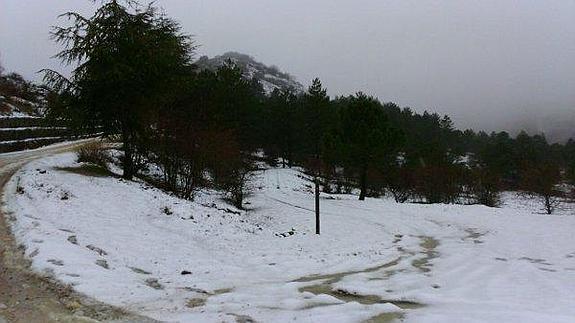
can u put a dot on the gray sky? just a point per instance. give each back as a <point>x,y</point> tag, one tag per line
<point>488,64</point>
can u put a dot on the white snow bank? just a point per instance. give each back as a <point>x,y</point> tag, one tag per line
<point>187,261</point>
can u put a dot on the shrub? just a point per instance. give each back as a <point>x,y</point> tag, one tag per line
<point>234,176</point>
<point>485,186</point>
<point>93,153</point>
<point>400,182</point>
<point>439,183</point>
<point>541,180</point>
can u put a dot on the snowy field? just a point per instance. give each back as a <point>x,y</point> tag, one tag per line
<point>131,245</point>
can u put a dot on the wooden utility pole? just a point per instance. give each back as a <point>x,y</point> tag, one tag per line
<point>317,205</point>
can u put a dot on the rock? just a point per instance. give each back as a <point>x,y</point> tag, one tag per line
<point>102,263</point>
<point>3,306</point>
<point>153,282</point>
<point>195,302</point>
<point>196,290</point>
<point>73,305</point>
<point>139,271</point>
<point>73,239</point>
<point>101,252</point>
<point>56,262</point>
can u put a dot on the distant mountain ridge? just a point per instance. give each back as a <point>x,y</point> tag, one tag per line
<point>270,77</point>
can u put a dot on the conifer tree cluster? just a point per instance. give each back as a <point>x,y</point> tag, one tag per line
<point>134,78</point>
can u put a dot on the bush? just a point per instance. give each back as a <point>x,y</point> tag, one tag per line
<point>93,153</point>
<point>541,180</point>
<point>400,181</point>
<point>485,186</point>
<point>439,183</point>
<point>234,177</point>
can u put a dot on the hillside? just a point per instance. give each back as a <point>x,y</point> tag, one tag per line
<point>13,106</point>
<point>270,77</point>
<point>185,261</point>
<point>22,112</point>
<point>20,98</point>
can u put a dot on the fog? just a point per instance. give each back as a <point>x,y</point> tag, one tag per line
<point>493,65</point>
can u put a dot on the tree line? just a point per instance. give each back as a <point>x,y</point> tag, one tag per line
<point>135,78</point>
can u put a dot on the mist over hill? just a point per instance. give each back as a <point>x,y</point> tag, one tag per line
<point>269,76</point>
<point>558,126</point>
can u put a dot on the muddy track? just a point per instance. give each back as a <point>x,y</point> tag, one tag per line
<point>29,297</point>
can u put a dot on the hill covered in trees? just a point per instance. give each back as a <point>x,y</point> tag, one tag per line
<point>270,77</point>
<point>19,97</point>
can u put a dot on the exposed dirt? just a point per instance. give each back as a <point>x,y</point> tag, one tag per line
<point>29,297</point>
<point>325,284</point>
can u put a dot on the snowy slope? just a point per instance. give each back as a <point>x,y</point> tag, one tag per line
<point>13,106</point>
<point>270,77</point>
<point>186,261</point>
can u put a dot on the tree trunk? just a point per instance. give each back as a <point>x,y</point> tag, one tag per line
<point>239,200</point>
<point>548,204</point>
<point>327,184</point>
<point>128,162</point>
<point>363,183</point>
<point>317,226</point>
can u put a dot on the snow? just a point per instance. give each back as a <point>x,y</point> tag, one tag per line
<point>32,139</point>
<point>25,116</point>
<point>62,144</point>
<point>23,101</point>
<point>32,128</point>
<point>14,111</point>
<point>461,263</point>
<point>268,86</point>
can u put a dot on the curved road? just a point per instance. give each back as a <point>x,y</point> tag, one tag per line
<point>27,297</point>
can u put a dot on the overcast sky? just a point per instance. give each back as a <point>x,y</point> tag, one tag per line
<point>485,63</point>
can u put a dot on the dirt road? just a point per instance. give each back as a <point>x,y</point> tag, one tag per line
<point>28,297</point>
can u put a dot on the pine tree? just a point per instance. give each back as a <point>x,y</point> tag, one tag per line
<point>569,156</point>
<point>316,104</point>
<point>367,135</point>
<point>281,126</point>
<point>130,61</point>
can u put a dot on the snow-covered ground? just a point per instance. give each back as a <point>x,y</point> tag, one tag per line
<point>131,245</point>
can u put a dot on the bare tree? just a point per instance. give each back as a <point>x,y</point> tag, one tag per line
<point>540,180</point>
